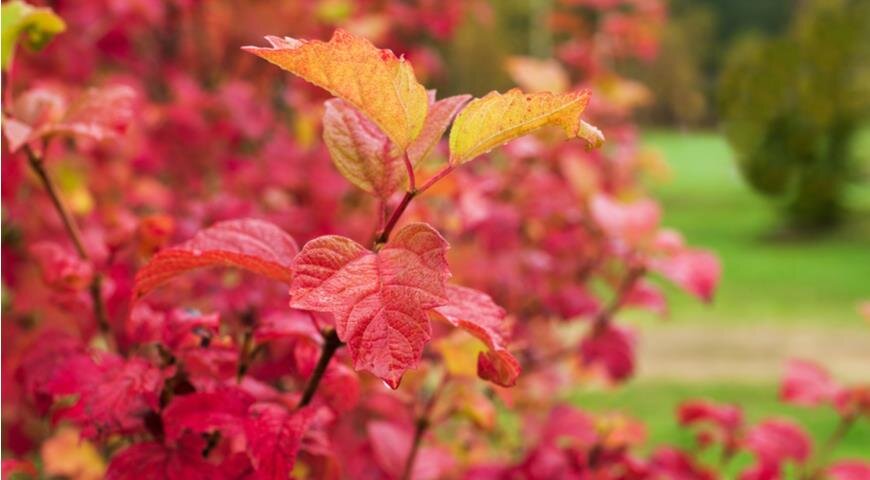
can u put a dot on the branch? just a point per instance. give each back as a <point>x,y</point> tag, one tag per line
<point>330,346</point>
<point>825,451</point>
<point>73,232</point>
<point>422,424</point>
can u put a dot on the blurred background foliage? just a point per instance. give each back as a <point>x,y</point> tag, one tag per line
<point>786,81</point>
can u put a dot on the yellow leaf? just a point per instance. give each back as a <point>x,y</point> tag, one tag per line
<point>536,75</point>
<point>66,455</point>
<point>376,82</point>
<point>496,119</point>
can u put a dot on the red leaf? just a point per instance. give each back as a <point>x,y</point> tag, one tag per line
<point>476,313</point>
<point>391,443</point>
<point>611,349</point>
<point>807,384</point>
<point>695,271</point>
<point>61,268</point>
<point>849,470</point>
<point>113,394</point>
<point>253,245</point>
<point>675,464</point>
<point>204,412</point>
<point>154,460</point>
<point>379,300</point>
<point>274,437</point>
<point>777,440</point>
<point>728,418</point>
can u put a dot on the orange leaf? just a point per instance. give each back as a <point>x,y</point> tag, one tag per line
<point>496,119</point>
<point>374,81</point>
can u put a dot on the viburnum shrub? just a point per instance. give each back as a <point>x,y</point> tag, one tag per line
<point>423,266</point>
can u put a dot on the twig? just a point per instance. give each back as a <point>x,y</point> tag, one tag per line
<point>330,345</point>
<point>824,452</point>
<point>73,232</point>
<point>394,219</point>
<point>422,424</point>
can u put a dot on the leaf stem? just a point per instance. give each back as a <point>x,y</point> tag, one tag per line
<point>394,218</point>
<point>330,346</point>
<point>421,425</point>
<point>824,452</point>
<point>412,182</point>
<point>95,288</point>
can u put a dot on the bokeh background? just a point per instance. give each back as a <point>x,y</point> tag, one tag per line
<point>796,260</point>
<point>754,115</point>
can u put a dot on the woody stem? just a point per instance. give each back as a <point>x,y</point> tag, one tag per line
<point>73,232</point>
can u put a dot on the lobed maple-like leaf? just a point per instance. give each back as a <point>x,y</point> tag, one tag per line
<point>274,437</point>
<point>476,313</point>
<point>488,122</point>
<point>253,245</point>
<point>374,81</point>
<point>367,157</point>
<point>380,299</point>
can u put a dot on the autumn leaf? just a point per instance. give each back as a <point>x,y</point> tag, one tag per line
<point>202,412</point>
<point>36,26</point>
<point>376,82</point>
<point>379,300</point>
<point>96,113</point>
<point>488,122</point>
<point>253,245</point>
<point>476,313</point>
<point>366,156</point>
<point>360,151</point>
<point>274,437</point>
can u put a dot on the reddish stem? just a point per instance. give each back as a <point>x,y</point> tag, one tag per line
<point>73,232</point>
<point>330,345</point>
<point>422,424</point>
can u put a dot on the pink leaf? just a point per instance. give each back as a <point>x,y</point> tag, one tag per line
<point>253,245</point>
<point>777,440</point>
<point>274,437</point>
<point>807,384</point>
<point>612,350</point>
<point>379,300</point>
<point>98,113</point>
<point>476,313</point>
<point>439,117</point>
<point>391,443</point>
<point>695,271</point>
<point>849,470</point>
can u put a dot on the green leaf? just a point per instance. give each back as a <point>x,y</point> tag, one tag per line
<point>35,26</point>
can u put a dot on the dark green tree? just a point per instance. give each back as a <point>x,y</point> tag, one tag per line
<point>791,107</point>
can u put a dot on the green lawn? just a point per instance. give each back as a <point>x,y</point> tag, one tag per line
<point>818,280</point>
<point>655,404</point>
<point>811,282</point>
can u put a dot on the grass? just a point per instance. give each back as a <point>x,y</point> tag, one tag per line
<point>656,403</point>
<point>818,280</point>
<point>813,282</point>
